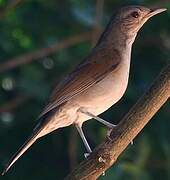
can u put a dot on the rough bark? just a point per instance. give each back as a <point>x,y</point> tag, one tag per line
<point>106,154</point>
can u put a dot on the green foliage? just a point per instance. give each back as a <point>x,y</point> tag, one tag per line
<point>37,24</point>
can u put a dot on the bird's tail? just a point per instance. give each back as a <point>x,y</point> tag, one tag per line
<point>20,151</point>
<point>37,133</point>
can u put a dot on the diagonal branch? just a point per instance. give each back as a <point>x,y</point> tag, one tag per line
<point>14,103</point>
<point>11,5</point>
<point>43,52</point>
<point>106,154</point>
<point>97,21</point>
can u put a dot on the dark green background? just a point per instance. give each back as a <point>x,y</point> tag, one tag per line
<point>34,24</point>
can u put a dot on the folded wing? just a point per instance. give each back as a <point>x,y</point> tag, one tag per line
<point>97,66</point>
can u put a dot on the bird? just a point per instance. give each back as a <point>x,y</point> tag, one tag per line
<point>96,83</point>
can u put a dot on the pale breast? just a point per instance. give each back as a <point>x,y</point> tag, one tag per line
<point>107,92</point>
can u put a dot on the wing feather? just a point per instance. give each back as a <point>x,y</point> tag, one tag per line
<point>92,70</point>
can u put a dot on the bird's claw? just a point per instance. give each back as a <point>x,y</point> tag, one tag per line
<point>86,155</point>
<point>109,132</point>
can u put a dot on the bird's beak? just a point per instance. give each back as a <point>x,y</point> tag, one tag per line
<point>153,12</point>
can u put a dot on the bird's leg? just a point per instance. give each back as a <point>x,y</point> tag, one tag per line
<point>79,129</point>
<point>109,125</point>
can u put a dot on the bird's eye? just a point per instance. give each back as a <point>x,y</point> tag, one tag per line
<point>135,14</point>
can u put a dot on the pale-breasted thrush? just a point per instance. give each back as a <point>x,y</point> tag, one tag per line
<point>97,83</point>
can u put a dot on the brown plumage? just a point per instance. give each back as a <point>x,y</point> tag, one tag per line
<point>92,70</point>
<point>97,83</point>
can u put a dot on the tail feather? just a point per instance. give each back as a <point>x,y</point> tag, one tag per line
<point>21,151</point>
<point>37,133</point>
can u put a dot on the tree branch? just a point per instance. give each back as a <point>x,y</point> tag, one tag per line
<point>107,152</point>
<point>97,21</point>
<point>12,4</point>
<point>72,148</point>
<point>43,52</point>
<point>14,103</point>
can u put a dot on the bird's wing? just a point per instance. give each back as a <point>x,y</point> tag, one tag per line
<point>93,70</point>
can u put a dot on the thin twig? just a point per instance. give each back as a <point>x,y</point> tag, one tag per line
<point>98,20</point>
<point>72,148</point>
<point>43,52</point>
<point>9,7</point>
<point>14,103</point>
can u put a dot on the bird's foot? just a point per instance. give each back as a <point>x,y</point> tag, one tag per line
<point>86,155</point>
<point>109,131</point>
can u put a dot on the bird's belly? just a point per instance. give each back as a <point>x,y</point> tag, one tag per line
<point>104,94</point>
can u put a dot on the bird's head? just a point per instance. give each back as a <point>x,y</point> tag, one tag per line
<point>125,23</point>
<point>132,18</point>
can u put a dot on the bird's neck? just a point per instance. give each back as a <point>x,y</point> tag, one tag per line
<point>114,37</point>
